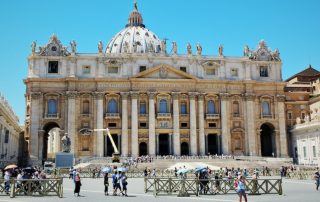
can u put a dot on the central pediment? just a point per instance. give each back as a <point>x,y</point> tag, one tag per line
<point>163,71</point>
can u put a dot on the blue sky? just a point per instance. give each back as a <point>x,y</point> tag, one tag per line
<point>292,26</point>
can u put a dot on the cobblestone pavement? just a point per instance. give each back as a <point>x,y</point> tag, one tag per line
<point>92,191</point>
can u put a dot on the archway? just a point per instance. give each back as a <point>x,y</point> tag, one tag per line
<point>267,140</point>
<point>108,149</point>
<point>184,149</point>
<point>143,149</point>
<point>164,144</point>
<point>50,141</point>
<point>213,144</point>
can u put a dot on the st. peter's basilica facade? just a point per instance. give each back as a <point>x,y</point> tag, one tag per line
<point>154,101</point>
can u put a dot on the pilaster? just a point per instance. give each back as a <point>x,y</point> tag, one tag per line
<point>176,128</point>
<point>224,123</point>
<point>193,124</point>
<point>282,126</point>
<point>99,123</point>
<point>134,124</point>
<point>202,138</point>
<point>124,123</point>
<point>152,127</point>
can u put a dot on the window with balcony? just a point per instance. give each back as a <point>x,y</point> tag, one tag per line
<point>52,108</point>
<point>112,106</point>
<point>236,109</point>
<point>211,107</point>
<point>85,107</point>
<point>266,112</point>
<point>143,107</point>
<point>212,125</point>
<point>53,67</point>
<point>183,108</point>
<point>6,137</point>
<point>163,106</point>
<point>264,71</point>
<point>305,152</point>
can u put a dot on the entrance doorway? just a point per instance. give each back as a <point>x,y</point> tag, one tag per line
<point>267,140</point>
<point>50,141</point>
<point>108,148</point>
<point>143,149</point>
<point>184,149</point>
<point>213,144</point>
<point>164,144</point>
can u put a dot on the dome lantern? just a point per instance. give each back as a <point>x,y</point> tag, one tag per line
<point>135,17</point>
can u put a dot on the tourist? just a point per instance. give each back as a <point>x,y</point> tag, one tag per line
<point>124,184</point>
<point>240,185</point>
<point>118,182</point>
<point>106,184</point>
<point>7,176</point>
<point>317,178</point>
<point>145,172</point>
<point>78,184</point>
<point>153,173</point>
<point>175,171</point>
<point>71,173</point>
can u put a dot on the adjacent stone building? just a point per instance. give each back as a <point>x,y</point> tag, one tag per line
<point>154,101</point>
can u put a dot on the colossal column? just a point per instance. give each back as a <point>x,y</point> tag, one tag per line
<point>134,124</point>
<point>250,123</point>
<point>193,124</point>
<point>224,123</point>
<point>282,125</point>
<point>99,123</point>
<point>202,138</point>
<point>152,125</point>
<point>36,115</point>
<point>71,95</point>
<point>176,128</point>
<point>124,124</point>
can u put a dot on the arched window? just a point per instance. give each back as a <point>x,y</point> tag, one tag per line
<point>183,108</point>
<point>143,108</point>
<point>85,107</point>
<point>236,110</point>
<point>163,106</point>
<point>52,107</point>
<point>265,108</point>
<point>211,107</point>
<point>112,106</point>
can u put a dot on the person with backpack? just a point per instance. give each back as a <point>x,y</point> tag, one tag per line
<point>78,184</point>
<point>240,186</point>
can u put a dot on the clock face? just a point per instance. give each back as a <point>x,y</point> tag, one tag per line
<point>53,50</point>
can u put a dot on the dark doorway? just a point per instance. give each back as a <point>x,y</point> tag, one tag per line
<point>184,149</point>
<point>143,149</point>
<point>164,144</point>
<point>108,149</point>
<point>43,141</point>
<point>267,140</point>
<point>213,144</point>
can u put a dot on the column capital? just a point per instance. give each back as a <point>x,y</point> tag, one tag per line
<point>224,96</point>
<point>35,95</point>
<point>249,96</point>
<point>124,95</point>
<point>98,95</point>
<point>151,94</point>
<point>134,94</point>
<point>73,59</point>
<point>175,95</point>
<point>281,98</point>
<point>201,96</point>
<point>72,94</point>
<point>192,95</point>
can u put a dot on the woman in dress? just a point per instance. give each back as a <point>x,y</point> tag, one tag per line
<point>241,188</point>
<point>77,183</point>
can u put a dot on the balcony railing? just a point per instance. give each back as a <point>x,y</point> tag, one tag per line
<point>267,116</point>
<point>212,116</point>
<point>236,115</point>
<point>184,115</point>
<point>112,116</point>
<point>143,115</point>
<point>52,116</point>
<point>85,115</point>
<point>164,115</point>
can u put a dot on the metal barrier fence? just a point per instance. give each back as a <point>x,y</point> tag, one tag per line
<point>188,186</point>
<point>33,187</point>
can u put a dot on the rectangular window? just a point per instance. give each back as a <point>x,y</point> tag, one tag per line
<point>112,125</point>
<point>143,108</point>
<point>234,72</point>
<point>142,68</point>
<point>85,125</point>
<point>289,115</point>
<point>314,151</point>
<point>86,70</point>
<point>264,71</point>
<point>212,125</point>
<point>53,67</point>
<point>184,125</point>
<point>184,69</point>
<point>113,70</point>
<point>143,124</point>
<point>304,152</point>
<point>211,71</point>
<point>6,137</point>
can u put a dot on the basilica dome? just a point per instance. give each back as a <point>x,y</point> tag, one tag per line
<point>134,38</point>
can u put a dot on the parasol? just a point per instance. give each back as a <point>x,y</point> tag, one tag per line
<point>12,166</point>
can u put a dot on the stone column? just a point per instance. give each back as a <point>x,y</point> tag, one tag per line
<point>157,144</point>
<point>152,125</point>
<point>224,123</point>
<point>72,66</point>
<point>250,132</point>
<point>193,124</point>
<point>282,127</point>
<point>99,124</point>
<point>72,118</point>
<point>176,127</point>
<point>170,144</point>
<point>202,138</point>
<point>134,124</point>
<point>219,143</point>
<point>36,115</point>
<point>124,124</point>
<point>100,67</point>
<point>206,140</point>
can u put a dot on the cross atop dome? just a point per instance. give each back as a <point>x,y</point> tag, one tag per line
<point>135,18</point>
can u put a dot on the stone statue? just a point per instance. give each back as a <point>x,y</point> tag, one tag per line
<point>163,46</point>
<point>298,120</point>
<point>276,55</point>
<point>174,47</point>
<point>100,46</point>
<point>189,49</point>
<point>66,143</point>
<point>73,45</point>
<point>246,51</point>
<point>220,50</point>
<point>199,49</point>
<point>33,47</point>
